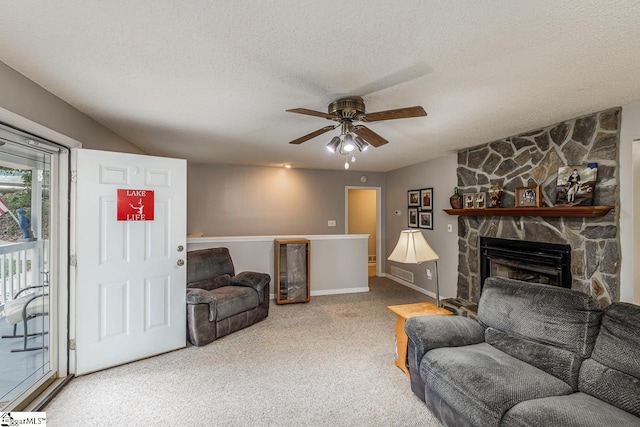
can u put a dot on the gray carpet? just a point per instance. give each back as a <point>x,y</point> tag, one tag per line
<point>325,363</point>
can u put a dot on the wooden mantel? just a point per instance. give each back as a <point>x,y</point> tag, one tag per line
<point>554,211</point>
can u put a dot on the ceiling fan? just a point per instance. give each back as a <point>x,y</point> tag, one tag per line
<point>348,110</point>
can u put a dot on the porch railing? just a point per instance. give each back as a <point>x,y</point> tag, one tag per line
<point>20,267</point>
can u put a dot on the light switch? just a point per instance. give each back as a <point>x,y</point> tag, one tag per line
<point>331,223</point>
<point>450,228</point>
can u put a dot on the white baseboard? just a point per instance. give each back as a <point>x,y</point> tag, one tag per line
<point>410,285</point>
<point>340,291</point>
<point>333,292</point>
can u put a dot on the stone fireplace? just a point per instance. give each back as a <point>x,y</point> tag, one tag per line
<point>533,158</point>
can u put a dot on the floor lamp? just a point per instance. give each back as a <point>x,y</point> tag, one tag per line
<point>412,248</point>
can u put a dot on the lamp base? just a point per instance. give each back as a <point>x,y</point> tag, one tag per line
<point>435,270</point>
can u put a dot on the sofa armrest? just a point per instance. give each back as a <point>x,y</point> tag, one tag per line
<point>429,332</point>
<point>199,296</point>
<point>253,280</point>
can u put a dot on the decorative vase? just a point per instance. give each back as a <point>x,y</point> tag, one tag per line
<point>455,200</point>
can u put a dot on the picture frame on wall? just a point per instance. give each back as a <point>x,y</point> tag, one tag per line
<point>412,214</point>
<point>425,220</point>
<point>529,196</point>
<point>413,198</point>
<point>426,199</point>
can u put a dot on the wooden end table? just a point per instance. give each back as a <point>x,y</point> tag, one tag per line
<point>407,311</point>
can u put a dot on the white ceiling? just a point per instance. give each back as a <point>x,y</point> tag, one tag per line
<point>210,80</point>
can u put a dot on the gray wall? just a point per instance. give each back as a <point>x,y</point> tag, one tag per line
<point>441,175</point>
<point>25,98</point>
<point>228,200</point>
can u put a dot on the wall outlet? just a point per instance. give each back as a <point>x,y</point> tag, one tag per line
<point>331,223</point>
<point>429,275</point>
<point>450,228</point>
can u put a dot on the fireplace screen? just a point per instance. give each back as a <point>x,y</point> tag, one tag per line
<point>544,263</point>
<point>502,267</point>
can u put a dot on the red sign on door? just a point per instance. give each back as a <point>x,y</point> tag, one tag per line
<point>135,205</point>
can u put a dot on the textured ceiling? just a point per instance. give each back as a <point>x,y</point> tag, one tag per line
<point>210,80</point>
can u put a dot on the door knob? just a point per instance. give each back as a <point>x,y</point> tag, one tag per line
<point>180,248</point>
<point>180,262</point>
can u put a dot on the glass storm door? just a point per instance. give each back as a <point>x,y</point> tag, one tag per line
<point>27,286</point>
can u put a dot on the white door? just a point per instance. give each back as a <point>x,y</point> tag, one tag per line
<point>130,275</point>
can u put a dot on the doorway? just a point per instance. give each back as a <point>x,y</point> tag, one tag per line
<point>33,174</point>
<point>363,216</point>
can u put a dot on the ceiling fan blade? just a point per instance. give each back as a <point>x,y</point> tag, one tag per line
<point>312,135</point>
<point>370,136</point>
<point>313,113</point>
<point>400,113</point>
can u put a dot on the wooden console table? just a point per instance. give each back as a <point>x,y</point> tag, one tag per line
<point>407,311</point>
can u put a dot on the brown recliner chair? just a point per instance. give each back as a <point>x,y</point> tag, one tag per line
<point>220,302</point>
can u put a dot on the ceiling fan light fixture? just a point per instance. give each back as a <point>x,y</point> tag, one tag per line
<point>346,111</point>
<point>361,144</point>
<point>332,146</point>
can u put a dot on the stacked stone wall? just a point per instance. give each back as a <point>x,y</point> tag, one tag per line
<point>533,158</point>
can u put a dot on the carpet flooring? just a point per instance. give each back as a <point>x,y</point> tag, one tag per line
<point>328,362</point>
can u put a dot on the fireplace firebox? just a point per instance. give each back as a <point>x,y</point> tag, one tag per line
<point>546,263</point>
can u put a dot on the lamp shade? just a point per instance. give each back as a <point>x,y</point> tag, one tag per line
<point>348,143</point>
<point>412,248</point>
<point>361,144</point>
<point>332,146</point>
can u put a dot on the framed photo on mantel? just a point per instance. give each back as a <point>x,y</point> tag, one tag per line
<point>576,185</point>
<point>529,196</point>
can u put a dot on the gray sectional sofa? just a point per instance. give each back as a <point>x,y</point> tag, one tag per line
<point>537,356</point>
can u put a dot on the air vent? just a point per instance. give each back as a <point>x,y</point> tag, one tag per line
<point>402,274</point>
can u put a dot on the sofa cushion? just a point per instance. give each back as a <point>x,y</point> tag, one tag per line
<point>231,300</point>
<point>558,362</point>
<point>550,315</point>
<point>205,264</point>
<point>36,305</point>
<point>213,283</point>
<point>574,410</point>
<point>254,280</point>
<point>610,385</point>
<point>618,343</point>
<point>481,382</point>
<point>613,372</point>
<point>549,327</point>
